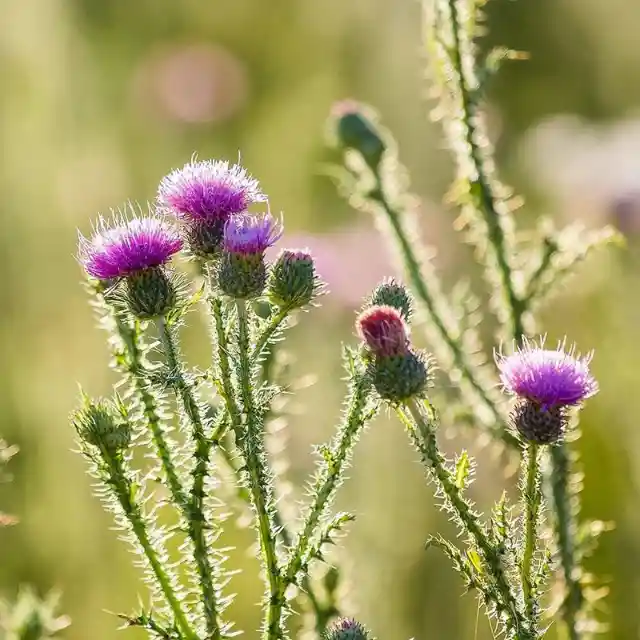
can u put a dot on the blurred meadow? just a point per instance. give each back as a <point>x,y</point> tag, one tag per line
<point>101,98</point>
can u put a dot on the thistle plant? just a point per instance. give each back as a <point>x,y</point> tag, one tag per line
<point>164,444</point>
<point>508,559</point>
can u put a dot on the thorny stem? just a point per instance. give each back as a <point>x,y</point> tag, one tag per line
<point>124,491</point>
<point>475,158</point>
<point>259,484</point>
<point>275,322</point>
<point>565,531</point>
<point>194,509</point>
<point>428,298</point>
<point>474,162</point>
<point>424,437</point>
<point>328,481</point>
<point>132,364</point>
<point>531,499</point>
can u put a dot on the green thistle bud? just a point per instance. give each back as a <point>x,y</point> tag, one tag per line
<point>242,276</point>
<point>354,129</point>
<point>391,293</point>
<point>150,293</point>
<point>293,281</point>
<point>347,629</point>
<point>538,424</point>
<point>398,378</point>
<point>101,424</point>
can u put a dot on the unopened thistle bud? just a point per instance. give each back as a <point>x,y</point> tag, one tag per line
<point>134,251</point>
<point>393,294</point>
<point>354,128</point>
<point>398,373</point>
<point>242,272</point>
<point>347,629</point>
<point>546,383</point>
<point>293,282</point>
<point>101,424</point>
<point>203,196</point>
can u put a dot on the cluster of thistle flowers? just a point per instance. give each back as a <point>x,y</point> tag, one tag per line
<point>202,209</point>
<point>546,383</point>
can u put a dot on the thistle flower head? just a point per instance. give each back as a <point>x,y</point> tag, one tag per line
<point>126,247</point>
<point>248,234</point>
<point>383,331</point>
<point>209,191</point>
<point>347,629</point>
<point>293,282</point>
<point>550,378</point>
<point>394,294</point>
<point>102,424</point>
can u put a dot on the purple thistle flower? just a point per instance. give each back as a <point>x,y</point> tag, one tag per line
<point>548,378</point>
<point>346,629</point>
<point>250,235</point>
<point>127,247</point>
<point>209,191</point>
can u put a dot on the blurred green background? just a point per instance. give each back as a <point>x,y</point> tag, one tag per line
<point>100,98</point>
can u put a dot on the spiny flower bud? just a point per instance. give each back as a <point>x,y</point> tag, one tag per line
<point>347,629</point>
<point>546,382</point>
<point>397,372</point>
<point>150,294</point>
<point>293,281</point>
<point>203,196</point>
<point>134,251</point>
<point>538,424</point>
<point>242,272</point>
<point>391,293</point>
<point>101,425</point>
<point>354,129</point>
<point>383,331</point>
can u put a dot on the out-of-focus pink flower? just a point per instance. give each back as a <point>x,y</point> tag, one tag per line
<point>193,83</point>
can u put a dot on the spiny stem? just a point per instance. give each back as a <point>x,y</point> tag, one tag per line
<point>424,437</point>
<point>194,509</point>
<point>275,322</point>
<point>124,491</point>
<point>565,532</point>
<point>409,254</point>
<point>133,365</point>
<point>328,481</point>
<point>259,482</point>
<point>531,504</point>
<point>474,166</point>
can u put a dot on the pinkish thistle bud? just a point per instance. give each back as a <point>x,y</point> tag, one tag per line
<point>397,372</point>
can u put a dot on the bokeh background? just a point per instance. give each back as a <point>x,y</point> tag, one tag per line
<point>101,98</point>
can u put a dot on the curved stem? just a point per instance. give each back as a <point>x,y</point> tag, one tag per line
<point>429,297</point>
<point>424,437</point>
<point>194,508</point>
<point>274,323</point>
<point>125,492</point>
<point>531,498</point>
<point>328,481</point>
<point>259,481</point>
<point>474,166</point>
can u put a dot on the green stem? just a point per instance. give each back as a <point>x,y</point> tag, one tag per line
<point>130,336</point>
<point>194,509</point>
<point>259,481</point>
<point>275,322</point>
<point>328,481</point>
<point>124,490</point>
<point>531,497</point>
<point>424,437</point>
<point>565,532</point>
<point>429,299</point>
<point>473,165</point>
